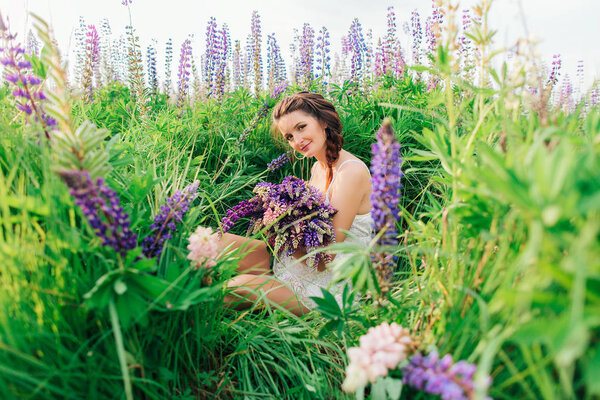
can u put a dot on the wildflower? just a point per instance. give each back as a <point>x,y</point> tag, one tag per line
<point>381,349</point>
<point>91,60</point>
<point>305,68</point>
<point>386,175</point>
<point>280,88</point>
<point>184,73</point>
<point>151,65</point>
<point>100,205</point>
<point>323,59</point>
<point>275,66</point>
<point>440,376</point>
<point>27,87</point>
<point>356,42</point>
<point>256,54</point>
<point>168,63</point>
<point>417,35</point>
<point>280,161</point>
<point>204,247</point>
<point>165,221</point>
<point>294,214</point>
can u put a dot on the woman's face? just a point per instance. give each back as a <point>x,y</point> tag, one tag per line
<point>304,133</point>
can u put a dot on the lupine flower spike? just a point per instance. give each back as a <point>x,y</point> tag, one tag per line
<point>386,175</point>
<point>100,205</point>
<point>381,349</point>
<point>280,161</point>
<point>165,221</point>
<point>440,376</point>
<point>27,87</point>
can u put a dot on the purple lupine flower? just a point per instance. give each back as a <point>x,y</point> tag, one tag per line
<point>100,205</point>
<point>168,63</point>
<point>417,36</point>
<point>440,376</point>
<point>566,95</point>
<point>224,47</point>
<point>183,75</point>
<point>151,66</point>
<point>307,50</point>
<point>278,90</point>
<point>385,198</point>
<point>165,221</point>
<point>256,54</point>
<point>92,58</point>
<point>262,113</point>
<point>126,2</point>
<point>27,87</point>
<point>211,55</point>
<point>555,72</point>
<point>33,45</point>
<point>380,67</point>
<point>280,161</point>
<point>390,42</point>
<point>358,47</point>
<point>294,214</point>
<point>237,65</point>
<point>323,59</point>
<point>275,64</point>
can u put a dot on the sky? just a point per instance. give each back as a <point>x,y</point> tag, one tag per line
<point>569,28</point>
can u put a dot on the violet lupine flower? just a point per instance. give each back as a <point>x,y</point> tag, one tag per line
<point>275,65</point>
<point>385,177</point>
<point>440,376</point>
<point>358,47</point>
<point>307,50</point>
<point>100,205</point>
<point>151,66</point>
<point>381,349</point>
<point>555,72</point>
<point>323,59</point>
<point>168,63</point>
<point>27,87</point>
<point>211,55</point>
<point>33,45</point>
<point>280,161</point>
<point>390,42</point>
<point>262,113</point>
<point>237,65</point>
<point>417,36</point>
<point>184,73</point>
<point>223,46</point>
<point>380,67</point>
<point>295,215</point>
<point>92,58</point>
<point>256,54</point>
<point>278,90</point>
<point>165,221</point>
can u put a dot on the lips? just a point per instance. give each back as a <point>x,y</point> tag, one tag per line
<point>303,148</point>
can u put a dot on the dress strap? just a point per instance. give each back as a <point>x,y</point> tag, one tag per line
<point>335,176</point>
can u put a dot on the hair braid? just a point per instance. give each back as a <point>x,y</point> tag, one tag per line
<point>334,144</point>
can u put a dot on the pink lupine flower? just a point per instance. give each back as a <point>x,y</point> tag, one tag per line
<point>204,247</point>
<point>382,348</point>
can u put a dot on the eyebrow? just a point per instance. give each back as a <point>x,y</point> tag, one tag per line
<point>295,126</point>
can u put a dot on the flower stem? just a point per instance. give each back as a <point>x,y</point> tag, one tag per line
<point>114,319</point>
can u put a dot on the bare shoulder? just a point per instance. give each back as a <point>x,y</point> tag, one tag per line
<point>354,172</point>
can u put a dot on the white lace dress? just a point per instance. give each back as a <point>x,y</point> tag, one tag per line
<point>307,282</point>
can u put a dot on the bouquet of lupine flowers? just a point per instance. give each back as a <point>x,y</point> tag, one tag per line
<point>294,215</point>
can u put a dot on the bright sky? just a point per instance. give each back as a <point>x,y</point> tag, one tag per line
<point>569,28</point>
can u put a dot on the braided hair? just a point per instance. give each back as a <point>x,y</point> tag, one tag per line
<point>316,105</point>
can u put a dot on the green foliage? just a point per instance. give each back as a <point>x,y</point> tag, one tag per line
<point>498,255</point>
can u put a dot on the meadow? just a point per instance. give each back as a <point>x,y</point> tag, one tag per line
<point>495,252</point>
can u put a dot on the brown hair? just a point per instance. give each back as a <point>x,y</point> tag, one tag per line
<point>316,105</point>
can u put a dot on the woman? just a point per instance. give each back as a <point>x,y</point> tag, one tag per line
<point>312,127</point>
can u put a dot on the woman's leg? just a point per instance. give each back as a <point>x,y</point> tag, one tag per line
<point>257,260</point>
<point>248,289</point>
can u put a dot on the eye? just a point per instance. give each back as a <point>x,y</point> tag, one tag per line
<point>300,127</point>
<point>289,137</point>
